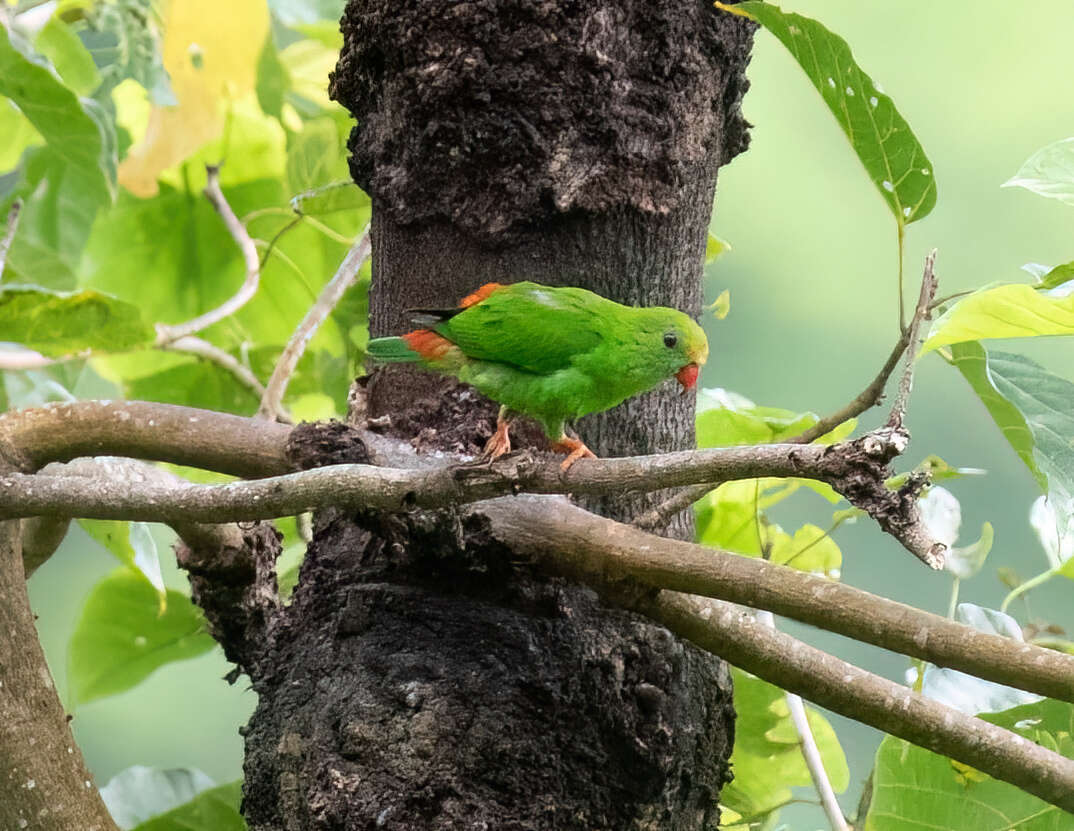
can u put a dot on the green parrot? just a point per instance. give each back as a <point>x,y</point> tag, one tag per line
<point>551,353</point>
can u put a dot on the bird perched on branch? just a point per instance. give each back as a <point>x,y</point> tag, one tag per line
<point>551,353</point>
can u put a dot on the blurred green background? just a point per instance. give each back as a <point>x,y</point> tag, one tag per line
<point>812,277</point>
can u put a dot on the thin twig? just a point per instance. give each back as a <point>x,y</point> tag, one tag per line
<point>913,343</point>
<point>192,345</point>
<point>345,277</point>
<point>810,751</point>
<point>667,510</point>
<point>9,232</point>
<point>872,395</point>
<point>247,290</point>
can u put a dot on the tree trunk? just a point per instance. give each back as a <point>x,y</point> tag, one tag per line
<point>422,678</point>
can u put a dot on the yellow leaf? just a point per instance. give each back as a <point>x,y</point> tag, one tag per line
<point>210,50</point>
<point>721,305</point>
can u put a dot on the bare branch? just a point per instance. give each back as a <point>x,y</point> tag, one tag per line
<point>874,392</point>
<point>561,536</point>
<point>664,563</point>
<point>565,540</point>
<point>144,430</point>
<point>46,784</point>
<point>913,342</point>
<point>857,469</point>
<point>9,232</point>
<point>328,299</point>
<point>724,630</point>
<point>192,345</point>
<point>662,514</point>
<point>249,286</point>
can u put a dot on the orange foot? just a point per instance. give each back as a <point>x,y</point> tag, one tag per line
<point>500,441</point>
<point>575,450</point>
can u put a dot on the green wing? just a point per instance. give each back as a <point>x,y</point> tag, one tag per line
<point>537,328</point>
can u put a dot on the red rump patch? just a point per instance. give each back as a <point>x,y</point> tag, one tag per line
<point>479,295</point>
<point>428,344</point>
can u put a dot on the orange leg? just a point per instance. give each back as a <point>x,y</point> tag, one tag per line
<point>500,442</point>
<point>574,448</point>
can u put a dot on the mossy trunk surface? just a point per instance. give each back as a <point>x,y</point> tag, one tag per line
<point>423,677</point>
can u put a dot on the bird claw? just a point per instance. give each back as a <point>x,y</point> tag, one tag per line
<point>499,444</point>
<point>575,450</point>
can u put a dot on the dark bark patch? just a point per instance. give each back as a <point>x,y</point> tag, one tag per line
<point>324,443</point>
<point>424,679</point>
<point>501,114</point>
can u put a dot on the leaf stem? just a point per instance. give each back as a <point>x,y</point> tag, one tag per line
<point>1029,584</point>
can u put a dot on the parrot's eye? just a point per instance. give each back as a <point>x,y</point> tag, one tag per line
<point>670,340</point>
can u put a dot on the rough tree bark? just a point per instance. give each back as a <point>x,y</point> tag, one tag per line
<point>422,677</point>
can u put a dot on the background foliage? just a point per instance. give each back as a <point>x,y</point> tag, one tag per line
<point>113,108</point>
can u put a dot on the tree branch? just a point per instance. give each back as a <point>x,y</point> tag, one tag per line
<point>249,285</point>
<point>662,563</point>
<point>162,432</point>
<point>45,783</point>
<point>329,298</point>
<point>873,394</point>
<point>857,469</point>
<point>559,535</point>
<point>9,232</point>
<point>605,554</point>
<point>724,630</point>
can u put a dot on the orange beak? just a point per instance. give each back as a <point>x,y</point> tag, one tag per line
<point>687,376</point>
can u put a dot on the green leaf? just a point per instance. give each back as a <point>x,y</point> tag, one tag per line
<point>121,636</point>
<point>70,131</point>
<point>132,544</point>
<point>1015,310</point>
<point>139,793</point>
<point>292,12</point>
<point>58,42</point>
<point>272,80</point>
<point>1044,400</point>
<point>195,384</point>
<point>330,198</point>
<point>315,156</point>
<point>731,517</point>
<point>972,361</point>
<point>216,809</point>
<point>767,758</point>
<point>810,549</point>
<point>714,247</point>
<point>915,789</point>
<point>57,324</point>
<point>1056,277</point>
<point>968,560</point>
<point>18,134</point>
<point>883,141</point>
<point>1048,172</point>
<point>125,40</point>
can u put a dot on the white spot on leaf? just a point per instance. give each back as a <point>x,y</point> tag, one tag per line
<point>890,188</point>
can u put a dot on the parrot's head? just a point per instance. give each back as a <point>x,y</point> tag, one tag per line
<point>677,345</point>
